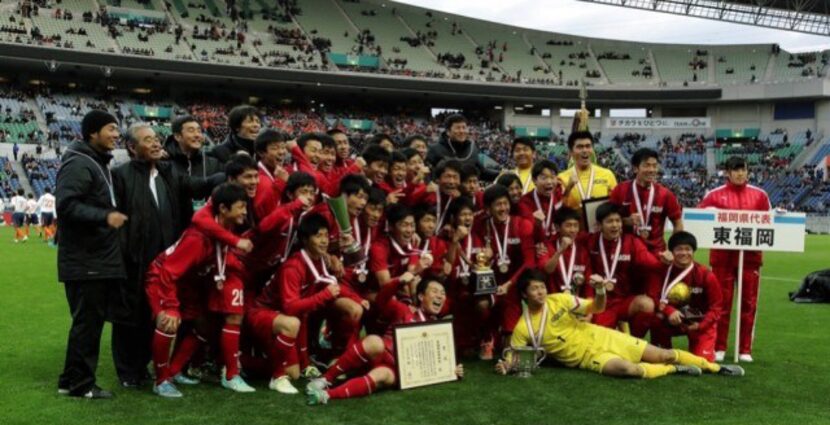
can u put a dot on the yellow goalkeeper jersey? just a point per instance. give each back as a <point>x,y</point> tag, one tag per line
<point>604,182</point>
<point>565,337</point>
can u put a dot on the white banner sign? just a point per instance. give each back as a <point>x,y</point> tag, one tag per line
<point>746,230</point>
<point>657,123</point>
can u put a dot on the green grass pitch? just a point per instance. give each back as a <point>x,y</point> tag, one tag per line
<point>789,383</point>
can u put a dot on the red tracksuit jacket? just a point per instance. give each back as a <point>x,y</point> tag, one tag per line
<point>733,197</point>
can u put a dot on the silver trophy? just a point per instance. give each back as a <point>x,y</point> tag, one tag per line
<point>524,360</point>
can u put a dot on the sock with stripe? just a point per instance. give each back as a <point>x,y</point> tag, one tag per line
<point>283,354</point>
<point>353,358</point>
<point>161,354</point>
<point>355,387</point>
<point>182,354</point>
<point>230,350</point>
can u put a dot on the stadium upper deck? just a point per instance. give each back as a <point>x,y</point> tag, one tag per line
<point>384,37</point>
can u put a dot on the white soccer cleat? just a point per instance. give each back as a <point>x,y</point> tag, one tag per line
<point>317,384</point>
<point>746,358</point>
<point>311,372</point>
<point>720,355</point>
<point>236,384</point>
<point>282,385</point>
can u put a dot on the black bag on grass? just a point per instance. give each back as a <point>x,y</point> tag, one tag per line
<point>815,289</point>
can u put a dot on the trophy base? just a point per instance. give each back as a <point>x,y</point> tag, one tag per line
<point>353,255</point>
<point>485,282</point>
<point>523,374</point>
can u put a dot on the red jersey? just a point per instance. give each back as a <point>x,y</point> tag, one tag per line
<point>706,299</point>
<point>395,312</point>
<point>327,182</point>
<point>295,290</point>
<point>268,180</point>
<point>664,205</point>
<point>533,201</point>
<point>520,249</point>
<point>733,197</point>
<point>437,247</point>
<point>385,254</point>
<point>185,270</point>
<point>633,263</point>
<point>574,259</point>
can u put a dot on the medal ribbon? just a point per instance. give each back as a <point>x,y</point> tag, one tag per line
<point>667,287</point>
<point>318,278</point>
<point>609,273</point>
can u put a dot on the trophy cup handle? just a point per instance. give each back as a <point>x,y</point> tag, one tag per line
<point>541,354</point>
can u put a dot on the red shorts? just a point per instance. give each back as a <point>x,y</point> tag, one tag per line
<point>230,299</point>
<point>260,323</point>
<point>615,311</point>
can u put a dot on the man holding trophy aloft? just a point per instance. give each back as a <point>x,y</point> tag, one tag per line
<point>551,323</point>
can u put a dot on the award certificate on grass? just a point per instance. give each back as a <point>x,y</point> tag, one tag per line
<point>424,354</point>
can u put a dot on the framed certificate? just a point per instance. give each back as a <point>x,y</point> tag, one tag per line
<point>424,354</point>
<point>589,212</point>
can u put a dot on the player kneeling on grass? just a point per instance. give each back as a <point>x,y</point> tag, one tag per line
<point>373,358</point>
<point>552,323</point>
<point>689,300</point>
<point>179,283</point>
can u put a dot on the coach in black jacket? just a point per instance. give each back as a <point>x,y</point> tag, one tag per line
<point>184,152</point>
<point>157,200</point>
<point>89,258</point>
<point>455,144</point>
<point>244,125</point>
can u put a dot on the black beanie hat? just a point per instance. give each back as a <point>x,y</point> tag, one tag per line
<point>94,121</point>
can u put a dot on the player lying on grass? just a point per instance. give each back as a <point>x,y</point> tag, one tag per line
<point>552,323</point>
<point>372,360</point>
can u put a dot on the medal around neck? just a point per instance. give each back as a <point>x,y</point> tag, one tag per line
<point>483,275</point>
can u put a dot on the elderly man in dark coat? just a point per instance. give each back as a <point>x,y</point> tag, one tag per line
<point>157,200</point>
<point>456,144</point>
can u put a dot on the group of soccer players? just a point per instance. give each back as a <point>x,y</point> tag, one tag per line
<point>265,282</point>
<point>27,212</point>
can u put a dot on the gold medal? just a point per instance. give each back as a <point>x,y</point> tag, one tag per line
<point>220,281</point>
<point>361,277</point>
<point>504,267</point>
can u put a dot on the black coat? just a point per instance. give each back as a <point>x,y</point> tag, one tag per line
<point>142,238</point>
<point>467,153</point>
<point>230,146</point>
<point>88,248</point>
<point>199,164</point>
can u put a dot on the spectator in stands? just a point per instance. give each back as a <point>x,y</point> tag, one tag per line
<point>455,143</point>
<point>89,258</point>
<point>244,124</point>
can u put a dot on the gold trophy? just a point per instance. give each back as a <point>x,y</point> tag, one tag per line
<point>483,275</point>
<point>524,360</point>
<point>679,296</point>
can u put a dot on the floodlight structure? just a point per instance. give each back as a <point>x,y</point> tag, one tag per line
<point>804,16</point>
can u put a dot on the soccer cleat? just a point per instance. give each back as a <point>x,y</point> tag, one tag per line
<point>720,355</point>
<point>688,370</point>
<point>282,385</point>
<point>486,351</point>
<point>746,358</point>
<point>236,384</point>
<point>317,384</point>
<point>167,390</point>
<point>183,379</point>
<point>731,370</point>
<point>311,372</point>
<point>316,397</point>
<point>94,393</point>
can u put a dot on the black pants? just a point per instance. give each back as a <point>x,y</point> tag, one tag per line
<point>131,345</point>
<point>88,304</point>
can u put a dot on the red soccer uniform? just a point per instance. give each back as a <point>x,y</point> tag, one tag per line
<point>181,279</point>
<point>298,290</point>
<point>725,263</point>
<point>327,182</point>
<point>664,206</point>
<point>706,299</point>
<point>633,262</point>
<point>521,253</point>
<point>533,201</point>
<point>268,180</point>
<point>578,251</point>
